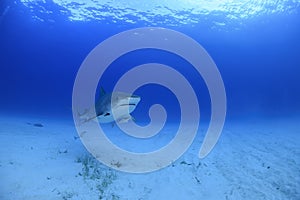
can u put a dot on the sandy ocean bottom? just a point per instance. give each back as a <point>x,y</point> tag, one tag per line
<point>44,159</point>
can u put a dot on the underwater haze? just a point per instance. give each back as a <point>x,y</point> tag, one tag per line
<point>255,46</point>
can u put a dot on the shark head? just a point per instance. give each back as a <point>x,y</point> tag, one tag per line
<point>116,106</point>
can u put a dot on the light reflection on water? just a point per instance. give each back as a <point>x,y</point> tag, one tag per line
<point>171,12</point>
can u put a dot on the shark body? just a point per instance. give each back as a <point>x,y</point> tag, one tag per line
<point>113,107</point>
<point>116,106</point>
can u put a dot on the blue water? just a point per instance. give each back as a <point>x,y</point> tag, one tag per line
<point>255,45</point>
<point>258,58</point>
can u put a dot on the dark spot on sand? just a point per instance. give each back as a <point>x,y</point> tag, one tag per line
<point>63,151</point>
<point>198,181</point>
<point>38,125</point>
<point>185,163</point>
<point>117,164</point>
<point>76,137</point>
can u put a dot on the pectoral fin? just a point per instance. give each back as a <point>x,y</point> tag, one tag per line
<point>126,119</point>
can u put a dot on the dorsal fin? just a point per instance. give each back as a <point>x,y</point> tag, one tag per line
<point>102,91</point>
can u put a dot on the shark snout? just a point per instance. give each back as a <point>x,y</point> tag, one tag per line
<point>131,100</point>
<point>134,98</point>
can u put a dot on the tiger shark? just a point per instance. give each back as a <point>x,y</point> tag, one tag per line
<point>113,107</point>
<point>116,106</point>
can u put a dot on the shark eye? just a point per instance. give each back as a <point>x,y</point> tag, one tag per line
<point>106,114</point>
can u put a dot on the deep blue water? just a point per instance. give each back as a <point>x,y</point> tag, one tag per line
<point>259,61</point>
<point>256,47</point>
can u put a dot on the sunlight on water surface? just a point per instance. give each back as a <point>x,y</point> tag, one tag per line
<point>157,12</point>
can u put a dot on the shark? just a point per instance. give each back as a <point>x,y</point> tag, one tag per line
<point>113,107</point>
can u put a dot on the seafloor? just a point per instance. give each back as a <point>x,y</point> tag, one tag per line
<point>254,159</point>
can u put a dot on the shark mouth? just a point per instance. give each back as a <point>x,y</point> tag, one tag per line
<point>129,104</point>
